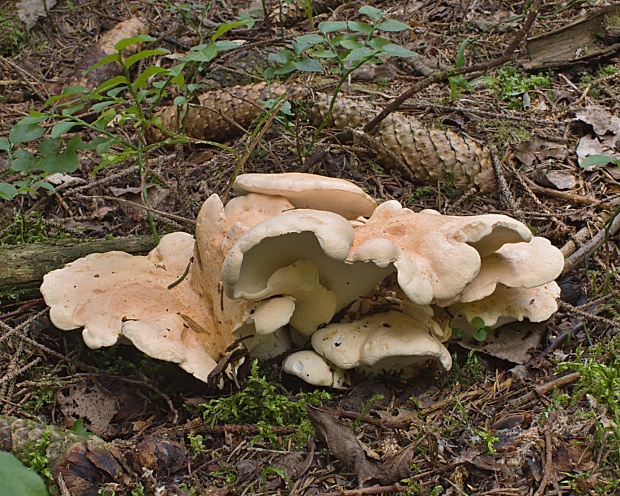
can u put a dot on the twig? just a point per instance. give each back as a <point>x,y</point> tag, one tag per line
<point>443,75</point>
<point>548,456</point>
<point>591,246</point>
<point>367,490</point>
<point>549,386</point>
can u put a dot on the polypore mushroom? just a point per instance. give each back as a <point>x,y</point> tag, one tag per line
<point>507,305</point>
<point>436,255</point>
<point>384,341</point>
<point>310,191</point>
<point>321,238</point>
<point>311,367</point>
<point>107,293</point>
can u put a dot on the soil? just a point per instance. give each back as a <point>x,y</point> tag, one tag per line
<point>496,424</point>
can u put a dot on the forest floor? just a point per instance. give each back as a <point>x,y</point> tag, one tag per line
<point>535,415</point>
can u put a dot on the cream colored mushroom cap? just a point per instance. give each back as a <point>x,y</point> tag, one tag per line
<point>311,367</point>
<point>389,341</point>
<point>436,255</point>
<point>508,305</point>
<point>310,191</point>
<point>516,265</point>
<point>320,237</point>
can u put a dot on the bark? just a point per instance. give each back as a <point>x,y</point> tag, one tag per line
<point>23,266</point>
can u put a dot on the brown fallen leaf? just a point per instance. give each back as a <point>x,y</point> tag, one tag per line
<point>341,443</point>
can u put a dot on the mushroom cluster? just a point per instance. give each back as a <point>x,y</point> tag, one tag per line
<point>311,264</point>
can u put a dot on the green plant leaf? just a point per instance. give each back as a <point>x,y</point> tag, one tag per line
<point>397,51</point>
<point>392,26</point>
<point>480,334</point>
<point>137,57</point>
<point>49,146</point>
<point>226,45</point>
<point>7,192</point>
<point>351,44</point>
<point>202,53</point>
<point>23,161</point>
<point>224,28</point>
<point>44,185</point>
<point>61,128</point>
<point>324,54</point>
<point>360,27</point>
<point>309,65</point>
<point>113,57</point>
<point>331,26</point>
<point>372,12</point>
<point>286,68</point>
<point>22,133</point>
<point>16,479</point>
<point>282,57</point>
<point>121,45</point>
<point>66,161</point>
<point>5,145</point>
<point>110,83</point>
<point>360,54</point>
<point>378,42</point>
<point>460,55</point>
<point>598,160</point>
<point>98,107</point>
<point>477,322</point>
<point>302,43</point>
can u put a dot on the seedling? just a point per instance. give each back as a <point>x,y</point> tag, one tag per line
<point>481,330</point>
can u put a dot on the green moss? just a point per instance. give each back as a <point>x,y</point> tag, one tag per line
<point>13,34</point>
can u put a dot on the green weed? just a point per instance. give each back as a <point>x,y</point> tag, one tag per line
<point>510,83</point>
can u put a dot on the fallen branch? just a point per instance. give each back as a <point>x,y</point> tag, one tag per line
<point>588,249</point>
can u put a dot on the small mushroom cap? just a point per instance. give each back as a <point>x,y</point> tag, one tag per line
<point>310,191</point>
<point>314,369</point>
<point>516,265</point>
<point>436,256</point>
<point>266,346</point>
<point>385,341</point>
<point>322,238</point>
<point>272,314</point>
<point>508,305</point>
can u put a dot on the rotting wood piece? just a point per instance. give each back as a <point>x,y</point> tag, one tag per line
<point>594,37</point>
<point>84,463</point>
<point>23,266</point>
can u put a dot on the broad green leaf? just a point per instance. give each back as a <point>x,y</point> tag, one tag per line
<point>67,91</point>
<point>61,128</point>
<point>351,44</point>
<point>249,22</point>
<point>5,145</point>
<point>22,133</point>
<point>270,73</point>
<point>79,428</point>
<point>153,70</point>
<point>113,57</point>
<point>480,334</point>
<point>111,83</point>
<point>7,192</point>
<point>23,161</point>
<point>337,40</point>
<point>74,144</point>
<point>397,51</point>
<point>101,144</point>
<point>324,54</point>
<point>192,87</point>
<point>360,27</point>
<point>392,26</point>
<point>477,322</point>
<point>72,109</point>
<point>286,68</point>
<point>372,12</point>
<point>66,161</point>
<point>309,65</point>
<point>121,45</point>
<point>202,53</point>
<point>282,57</point>
<point>180,100</point>
<point>226,45</point>
<point>359,54</point>
<point>137,57</point>
<point>302,43</point>
<point>32,119</point>
<point>378,42</point>
<point>45,185</point>
<point>98,107</point>
<point>177,69</point>
<point>15,478</point>
<point>331,26</point>
<point>598,160</point>
<point>49,146</point>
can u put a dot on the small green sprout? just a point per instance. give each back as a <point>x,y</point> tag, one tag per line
<point>481,330</point>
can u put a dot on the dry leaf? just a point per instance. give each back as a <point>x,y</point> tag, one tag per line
<point>92,403</point>
<point>30,10</point>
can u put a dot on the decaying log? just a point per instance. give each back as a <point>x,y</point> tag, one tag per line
<point>23,266</point>
<point>594,37</point>
<point>82,463</point>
